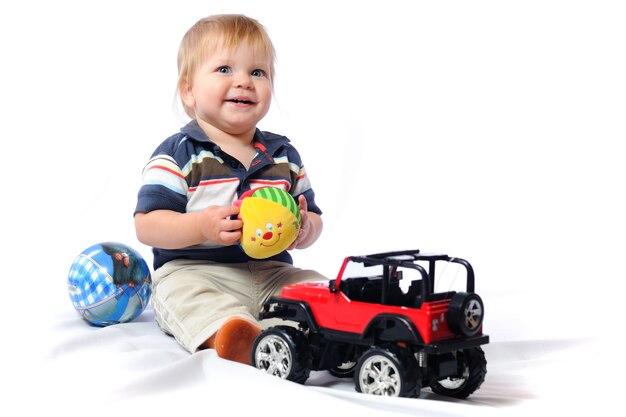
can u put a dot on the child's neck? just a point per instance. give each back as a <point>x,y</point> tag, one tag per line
<point>240,146</point>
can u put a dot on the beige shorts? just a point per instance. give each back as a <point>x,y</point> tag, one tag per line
<point>192,299</point>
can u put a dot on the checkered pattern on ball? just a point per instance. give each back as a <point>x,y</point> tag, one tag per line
<point>89,283</point>
<point>109,283</point>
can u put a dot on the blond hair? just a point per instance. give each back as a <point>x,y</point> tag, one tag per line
<point>203,38</point>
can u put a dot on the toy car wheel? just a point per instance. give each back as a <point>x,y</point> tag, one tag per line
<point>465,313</point>
<point>345,370</point>
<point>471,374</point>
<point>383,372</point>
<point>282,351</point>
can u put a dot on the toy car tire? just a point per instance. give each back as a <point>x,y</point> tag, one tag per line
<point>345,370</point>
<point>471,375</point>
<point>383,372</point>
<point>465,313</point>
<point>282,351</point>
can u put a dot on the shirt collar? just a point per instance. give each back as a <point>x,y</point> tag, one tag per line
<point>266,142</point>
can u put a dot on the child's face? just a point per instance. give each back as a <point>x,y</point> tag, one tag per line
<point>231,90</point>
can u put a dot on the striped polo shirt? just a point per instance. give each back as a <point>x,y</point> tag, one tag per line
<point>188,172</point>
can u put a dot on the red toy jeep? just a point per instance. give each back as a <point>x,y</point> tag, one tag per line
<point>392,335</point>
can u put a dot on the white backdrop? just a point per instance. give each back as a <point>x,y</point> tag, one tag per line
<point>488,130</point>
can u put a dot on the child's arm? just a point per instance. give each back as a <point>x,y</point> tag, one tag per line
<point>311,229</point>
<point>168,229</point>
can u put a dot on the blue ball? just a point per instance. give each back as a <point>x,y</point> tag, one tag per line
<point>109,283</point>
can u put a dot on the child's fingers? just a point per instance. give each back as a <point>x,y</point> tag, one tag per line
<point>231,225</point>
<point>229,238</point>
<point>302,204</point>
<point>228,211</point>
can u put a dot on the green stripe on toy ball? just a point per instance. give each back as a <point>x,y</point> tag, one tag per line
<point>279,196</point>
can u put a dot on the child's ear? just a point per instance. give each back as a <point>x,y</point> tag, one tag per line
<point>186,95</point>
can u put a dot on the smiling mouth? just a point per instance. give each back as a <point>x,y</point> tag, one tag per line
<point>237,101</point>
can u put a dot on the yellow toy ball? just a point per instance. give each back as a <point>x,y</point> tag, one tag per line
<point>271,221</point>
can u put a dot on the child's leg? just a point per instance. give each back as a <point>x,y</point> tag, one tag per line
<point>193,300</point>
<point>271,276</point>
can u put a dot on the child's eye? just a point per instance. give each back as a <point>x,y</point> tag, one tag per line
<point>224,69</point>
<point>258,73</point>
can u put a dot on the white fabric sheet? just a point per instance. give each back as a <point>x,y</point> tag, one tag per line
<point>134,367</point>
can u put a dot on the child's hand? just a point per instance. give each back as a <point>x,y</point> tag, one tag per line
<point>304,227</point>
<point>216,225</point>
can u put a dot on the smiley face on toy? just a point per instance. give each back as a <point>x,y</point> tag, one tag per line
<point>271,222</point>
<point>268,238</point>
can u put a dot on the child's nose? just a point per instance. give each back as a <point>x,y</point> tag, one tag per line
<point>243,81</point>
